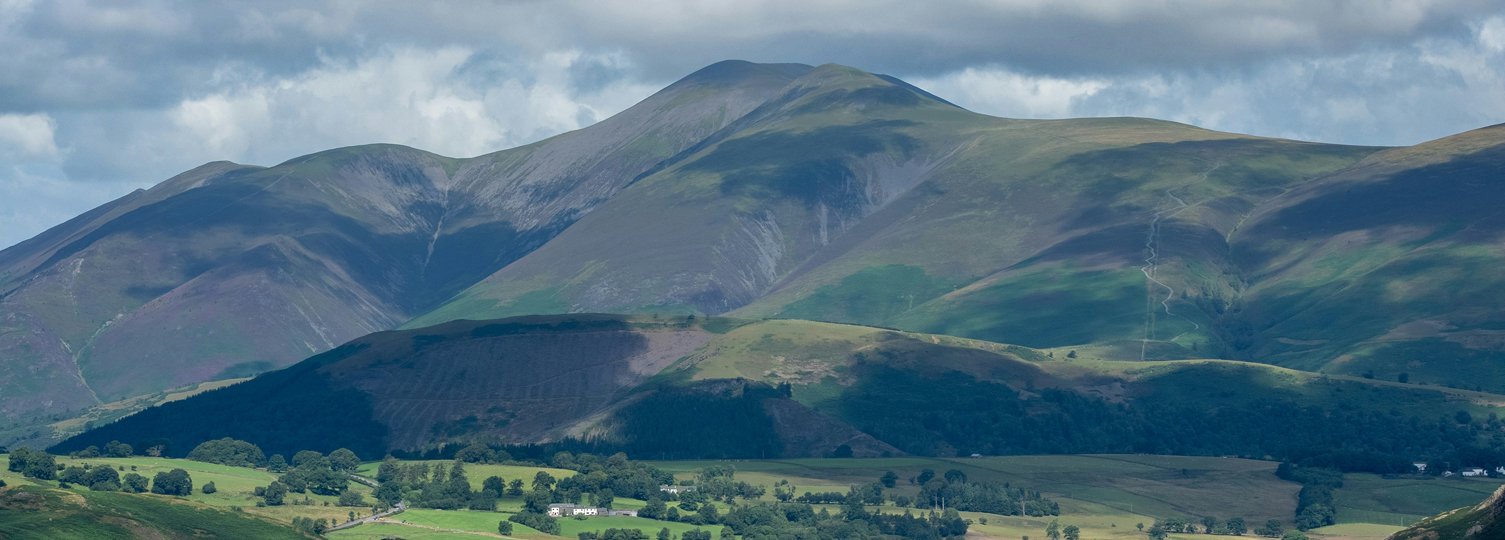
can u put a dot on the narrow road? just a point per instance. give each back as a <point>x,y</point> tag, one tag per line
<point>371,519</point>
<point>1152,263</point>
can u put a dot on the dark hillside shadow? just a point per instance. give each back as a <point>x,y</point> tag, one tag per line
<point>1444,196</point>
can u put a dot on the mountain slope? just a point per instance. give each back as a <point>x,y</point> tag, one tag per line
<point>229,270</point>
<point>1390,266</point>
<point>854,199</point>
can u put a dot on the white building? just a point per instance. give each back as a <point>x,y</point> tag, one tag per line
<point>571,510</point>
<point>1421,466</point>
<point>675,489</point>
<point>1473,471</point>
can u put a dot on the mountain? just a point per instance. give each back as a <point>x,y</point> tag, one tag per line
<point>1472,523</point>
<point>785,191</point>
<point>855,198</point>
<point>697,387</point>
<point>229,270</point>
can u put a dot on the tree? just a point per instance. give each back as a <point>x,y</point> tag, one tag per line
<point>230,452</point>
<point>783,491</point>
<point>495,484</point>
<point>352,498</point>
<point>505,528</point>
<point>1158,532</point>
<point>543,481</point>
<point>72,475</point>
<point>515,488</point>
<point>39,465</point>
<point>388,493</point>
<point>655,509</point>
<point>174,482</point>
<point>476,453</point>
<point>306,457</point>
<point>1140,526</point>
<point>604,498</point>
<point>889,479</point>
<point>133,483</point>
<point>955,476</point>
<point>1403,378</point>
<point>209,488</point>
<point>1236,526</point>
<point>925,476</point>
<point>1053,530</point>
<point>708,514</point>
<point>537,501</point>
<point>1071,532</point>
<point>276,463</point>
<point>118,449</point>
<point>102,479</point>
<point>1294,535</point>
<point>727,533</point>
<point>274,494</point>
<point>1271,529</point>
<point>343,460</point>
<point>390,469</point>
<point>1209,523</point>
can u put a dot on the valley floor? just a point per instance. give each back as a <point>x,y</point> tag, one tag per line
<point>1107,496</point>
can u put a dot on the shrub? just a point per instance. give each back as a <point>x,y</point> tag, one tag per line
<point>209,488</point>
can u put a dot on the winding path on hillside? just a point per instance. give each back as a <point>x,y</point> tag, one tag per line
<point>1152,263</point>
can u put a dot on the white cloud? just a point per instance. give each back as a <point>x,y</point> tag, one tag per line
<point>1000,92</point>
<point>28,137</point>
<point>405,96</point>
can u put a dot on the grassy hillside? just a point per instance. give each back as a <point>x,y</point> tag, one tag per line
<point>40,510</point>
<point>688,387</point>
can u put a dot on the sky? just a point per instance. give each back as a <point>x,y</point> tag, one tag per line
<point>99,98</point>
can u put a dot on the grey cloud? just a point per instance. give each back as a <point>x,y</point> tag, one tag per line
<point>142,90</point>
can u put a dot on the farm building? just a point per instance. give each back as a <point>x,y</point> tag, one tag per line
<point>1473,471</point>
<point>569,510</point>
<point>676,489</point>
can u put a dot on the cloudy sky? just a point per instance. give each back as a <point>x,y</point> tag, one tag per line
<point>98,98</point>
